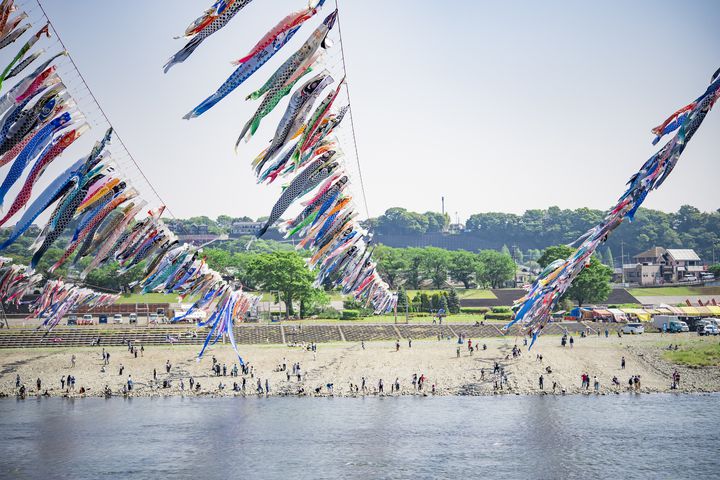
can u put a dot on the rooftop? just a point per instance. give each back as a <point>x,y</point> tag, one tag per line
<point>683,254</point>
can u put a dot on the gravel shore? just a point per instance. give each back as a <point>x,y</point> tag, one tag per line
<point>343,364</point>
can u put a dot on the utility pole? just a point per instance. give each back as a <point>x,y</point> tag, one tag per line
<point>622,260</point>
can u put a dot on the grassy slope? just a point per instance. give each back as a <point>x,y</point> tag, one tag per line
<point>699,354</point>
<point>471,293</point>
<point>673,291</point>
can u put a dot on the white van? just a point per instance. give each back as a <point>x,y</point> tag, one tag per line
<point>634,328</point>
<point>117,318</point>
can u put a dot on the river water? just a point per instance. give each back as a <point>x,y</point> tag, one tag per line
<point>618,436</point>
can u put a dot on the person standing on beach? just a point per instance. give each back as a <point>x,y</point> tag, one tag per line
<point>192,382</point>
<point>154,374</point>
<point>121,369</point>
<point>39,384</point>
<point>362,344</point>
<point>596,384</point>
<point>72,361</point>
<point>168,366</point>
<point>541,381</point>
<point>458,352</point>
<point>572,341</point>
<point>267,386</point>
<point>62,382</point>
<point>17,380</point>
<point>622,363</point>
<point>397,345</point>
<point>380,386</point>
<point>363,384</point>
<point>409,342</point>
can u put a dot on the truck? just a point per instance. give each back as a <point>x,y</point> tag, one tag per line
<point>670,323</point>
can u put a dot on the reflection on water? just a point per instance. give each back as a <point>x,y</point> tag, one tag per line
<point>620,436</point>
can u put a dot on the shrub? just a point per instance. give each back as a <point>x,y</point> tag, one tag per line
<point>475,310</point>
<point>350,314</point>
<point>329,313</point>
<point>500,309</point>
<point>498,316</point>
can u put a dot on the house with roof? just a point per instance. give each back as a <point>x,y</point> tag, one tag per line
<point>658,265</point>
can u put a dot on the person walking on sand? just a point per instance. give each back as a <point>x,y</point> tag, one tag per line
<point>572,341</point>
<point>62,382</point>
<point>458,352</point>
<point>541,382</point>
<point>397,345</point>
<point>622,363</point>
<point>72,361</point>
<point>267,386</point>
<point>596,384</point>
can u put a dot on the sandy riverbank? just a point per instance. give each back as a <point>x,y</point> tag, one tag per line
<point>345,363</point>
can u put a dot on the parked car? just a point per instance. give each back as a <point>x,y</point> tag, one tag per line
<point>117,318</point>
<point>132,318</point>
<point>709,329</point>
<point>633,328</point>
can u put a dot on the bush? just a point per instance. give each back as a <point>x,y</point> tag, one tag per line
<point>475,310</point>
<point>329,313</point>
<point>500,309</point>
<point>350,314</point>
<point>498,316</point>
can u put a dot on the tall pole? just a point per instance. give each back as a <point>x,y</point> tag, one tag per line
<point>622,260</point>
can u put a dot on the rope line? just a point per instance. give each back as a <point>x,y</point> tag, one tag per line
<point>352,120</point>
<point>100,109</point>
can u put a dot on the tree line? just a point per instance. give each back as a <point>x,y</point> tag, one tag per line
<point>538,229</point>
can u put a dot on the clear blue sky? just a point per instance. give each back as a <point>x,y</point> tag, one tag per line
<point>499,106</point>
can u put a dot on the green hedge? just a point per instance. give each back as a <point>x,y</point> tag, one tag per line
<point>499,316</point>
<point>501,309</point>
<point>475,310</point>
<point>350,314</point>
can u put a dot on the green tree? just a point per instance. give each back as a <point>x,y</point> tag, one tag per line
<point>443,303</point>
<point>425,305</point>
<point>391,264</point>
<point>435,263</point>
<point>414,271</point>
<point>284,272</point>
<point>505,250</point>
<point>453,301</point>
<point>462,267</point>
<point>592,285</point>
<point>553,253</point>
<point>435,301</point>
<point>402,299</point>
<point>498,268</point>
<point>715,270</point>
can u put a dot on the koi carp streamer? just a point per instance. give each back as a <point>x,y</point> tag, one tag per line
<point>533,311</point>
